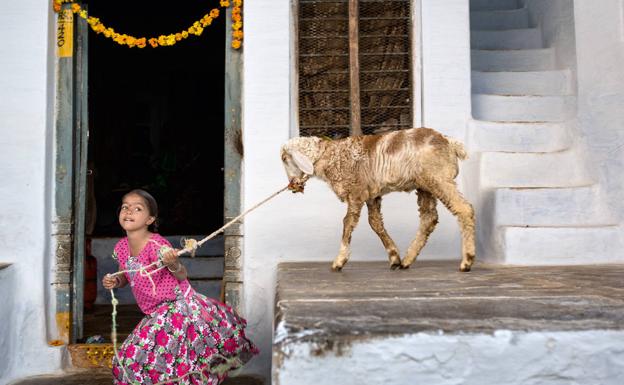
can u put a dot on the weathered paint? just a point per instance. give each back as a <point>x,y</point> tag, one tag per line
<point>81,138</point>
<point>63,325</point>
<point>233,153</point>
<point>62,225</point>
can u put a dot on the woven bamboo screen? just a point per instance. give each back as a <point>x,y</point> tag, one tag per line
<point>357,81</point>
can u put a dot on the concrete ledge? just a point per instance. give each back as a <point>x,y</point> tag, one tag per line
<point>432,324</point>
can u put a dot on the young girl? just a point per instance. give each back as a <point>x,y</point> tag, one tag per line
<point>184,334</point>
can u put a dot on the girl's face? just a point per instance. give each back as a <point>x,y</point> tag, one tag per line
<point>134,214</point>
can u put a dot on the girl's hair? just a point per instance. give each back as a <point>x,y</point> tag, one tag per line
<point>151,204</point>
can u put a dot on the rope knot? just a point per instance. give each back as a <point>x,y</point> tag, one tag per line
<point>191,245</point>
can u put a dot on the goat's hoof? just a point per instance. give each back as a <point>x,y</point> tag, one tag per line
<point>336,269</point>
<point>404,267</point>
<point>394,266</point>
<point>465,269</point>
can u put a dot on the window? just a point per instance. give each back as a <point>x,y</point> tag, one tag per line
<point>354,66</point>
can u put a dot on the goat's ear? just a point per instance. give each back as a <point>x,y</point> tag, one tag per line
<point>303,162</point>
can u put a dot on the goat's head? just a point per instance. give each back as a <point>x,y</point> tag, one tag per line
<point>298,156</point>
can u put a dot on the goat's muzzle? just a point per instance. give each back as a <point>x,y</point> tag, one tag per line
<point>297,185</point>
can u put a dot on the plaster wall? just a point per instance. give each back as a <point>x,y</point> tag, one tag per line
<point>308,227</point>
<point>504,357</point>
<point>600,54</point>
<point>556,19</point>
<point>25,123</point>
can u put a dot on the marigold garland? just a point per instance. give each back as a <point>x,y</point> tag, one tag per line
<point>163,40</point>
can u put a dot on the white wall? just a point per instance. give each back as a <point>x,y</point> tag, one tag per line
<point>556,19</point>
<point>600,54</point>
<point>25,123</point>
<point>308,227</point>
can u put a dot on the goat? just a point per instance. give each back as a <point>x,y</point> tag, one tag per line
<point>361,169</point>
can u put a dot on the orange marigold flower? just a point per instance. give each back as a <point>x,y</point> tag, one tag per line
<point>236,10</point>
<point>184,34</point>
<point>214,13</point>
<point>236,44</point>
<point>236,26</point>
<point>57,6</point>
<point>153,42</point>
<point>83,14</point>
<point>238,3</point>
<point>141,43</point>
<point>75,8</point>
<point>237,34</point>
<point>225,3</point>
<point>236,17</point>
<point>131,41</point>
<point>178,36</point>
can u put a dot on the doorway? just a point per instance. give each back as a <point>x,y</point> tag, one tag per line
<point>156,121</point>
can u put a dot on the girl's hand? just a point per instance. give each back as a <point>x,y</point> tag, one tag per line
<point>170,259</point>
<point>110,282</point>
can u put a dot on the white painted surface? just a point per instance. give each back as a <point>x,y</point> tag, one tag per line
<point>503,108</point>
<point>562,245</point>
<point>556,82</point>
<point>527,38</point>
<point>600,54</point>
<point>519,137</point>
<point>308,227</point>
<point>499,20</point>
<point>530,170</point>
<point>25,123</point>
<point>504,357</point>
<point>533,137</point>
<point>540,59</point>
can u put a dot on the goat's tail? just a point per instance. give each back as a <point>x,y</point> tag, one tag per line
<point>458,148</point>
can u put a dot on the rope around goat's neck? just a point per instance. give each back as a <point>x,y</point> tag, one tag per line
<point>191,246</point>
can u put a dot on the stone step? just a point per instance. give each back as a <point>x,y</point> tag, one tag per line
<point>513,60</point>
<point>500,20</point>
<point>103,376</point>
<point>562,245</point>
<point>574,206</point>
<point>519,137</point>
<point>500,108</point>
<point>480,5</point>
<point>371,325</point>
<point>526,38</point>
<point>557,82</point>
<point>532,170</point>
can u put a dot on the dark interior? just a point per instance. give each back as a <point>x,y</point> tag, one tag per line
<point>156,116</point>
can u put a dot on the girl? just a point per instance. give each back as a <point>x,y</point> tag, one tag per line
<point>184,334</point>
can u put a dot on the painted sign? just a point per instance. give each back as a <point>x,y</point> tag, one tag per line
<point>65,33</point>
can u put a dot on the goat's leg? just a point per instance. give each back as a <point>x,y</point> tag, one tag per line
<point>375,220</point>
<point>448,193</point>
<point>349,223</point>
<point>428,222</point>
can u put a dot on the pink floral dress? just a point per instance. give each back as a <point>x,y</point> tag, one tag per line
<point>183,335</point>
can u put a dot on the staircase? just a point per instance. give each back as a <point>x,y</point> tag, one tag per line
<point>543,203</point>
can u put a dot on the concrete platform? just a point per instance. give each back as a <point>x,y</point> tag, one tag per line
<point>432,324</point>
<point>103,377</point>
